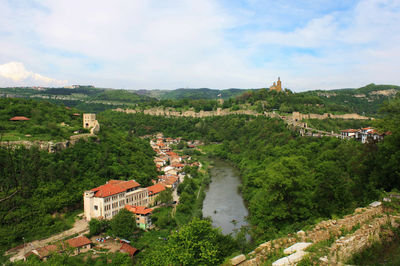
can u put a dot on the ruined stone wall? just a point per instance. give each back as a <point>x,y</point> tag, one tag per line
<point>295,116</point>
<point>326,230</point>
<point>47,145</point>
<point>343,248</point>
<point>190,113</point>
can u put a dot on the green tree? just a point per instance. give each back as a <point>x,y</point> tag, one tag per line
<point>123,224</point>
<point>165,197</point>
<point>196,243</point>
<point>98,226</point>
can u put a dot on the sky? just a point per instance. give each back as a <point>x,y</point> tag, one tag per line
<point>169,44</point>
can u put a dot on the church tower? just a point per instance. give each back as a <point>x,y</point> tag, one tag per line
<point>279,84</point>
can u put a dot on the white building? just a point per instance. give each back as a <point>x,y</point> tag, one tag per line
<point>107,200</point>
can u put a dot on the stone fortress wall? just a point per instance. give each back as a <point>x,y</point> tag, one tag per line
<point>295,116</point>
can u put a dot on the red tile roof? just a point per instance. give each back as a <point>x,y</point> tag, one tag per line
<point>350,130</point>
<point>126,248</point>
<point>178,165</point>
<point>46,250</point>
<point>154,189</point>
<point>78,241</point>
<point>138,209</point>
<point>169,181</point>
<point>19,118</point>
<point>114,187</point>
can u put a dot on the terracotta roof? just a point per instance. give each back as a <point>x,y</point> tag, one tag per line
<point>114,187</point>
<point>350,130</point>
<point>170,180</point>
<point>154,189</point>
<point>46,250</point>
<point>78,241</point>
<point>138,209</point>
<point>125,184</point>
<point>19,118</point>
<point>178,165</point>
<point>126,248</point>
<point>76,114</point>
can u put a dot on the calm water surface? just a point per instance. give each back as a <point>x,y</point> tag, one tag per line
<point>223,202</point>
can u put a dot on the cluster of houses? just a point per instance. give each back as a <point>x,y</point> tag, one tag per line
<point>105,201</point>
<point>76,245</point>
<point>364,135</point>
<point>170,163</point>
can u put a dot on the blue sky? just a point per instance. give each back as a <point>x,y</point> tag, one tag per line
<point>150,44</point>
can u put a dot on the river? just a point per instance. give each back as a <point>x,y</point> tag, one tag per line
<point>223,203</point>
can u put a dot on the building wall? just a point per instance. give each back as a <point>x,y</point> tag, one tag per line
<point>89,120</point>
<point>108,207</point>
<point>143,221</point>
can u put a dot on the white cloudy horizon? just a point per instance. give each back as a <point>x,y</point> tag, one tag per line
<point>219,44</point>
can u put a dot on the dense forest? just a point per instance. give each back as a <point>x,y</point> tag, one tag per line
<point>287,181</point>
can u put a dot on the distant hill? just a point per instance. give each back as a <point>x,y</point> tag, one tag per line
<point>202,93</point>
<point>86,98</point>
<point>192,94</point>
<point>366,99</point>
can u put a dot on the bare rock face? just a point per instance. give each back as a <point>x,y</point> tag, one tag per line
<point>238,259</point>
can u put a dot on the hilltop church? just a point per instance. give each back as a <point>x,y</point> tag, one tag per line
<point>277,86</point>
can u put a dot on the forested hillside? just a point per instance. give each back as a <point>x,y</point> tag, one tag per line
<point>46,121</point>
<point>203,93</point>
<point>85,98</point>
<point>288,181</point>
<point>364,101</point>
<point>40,191</point>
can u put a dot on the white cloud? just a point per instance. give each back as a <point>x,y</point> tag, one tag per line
<point>17,72</point>
<point>178,43</point>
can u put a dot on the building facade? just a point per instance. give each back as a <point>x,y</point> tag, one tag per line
<point>105,201</point>
<point>89,120</point>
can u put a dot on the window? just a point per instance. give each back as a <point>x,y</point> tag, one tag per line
<point>95,207</point>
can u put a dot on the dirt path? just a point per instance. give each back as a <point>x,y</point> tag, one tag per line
<point>80,226</point>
